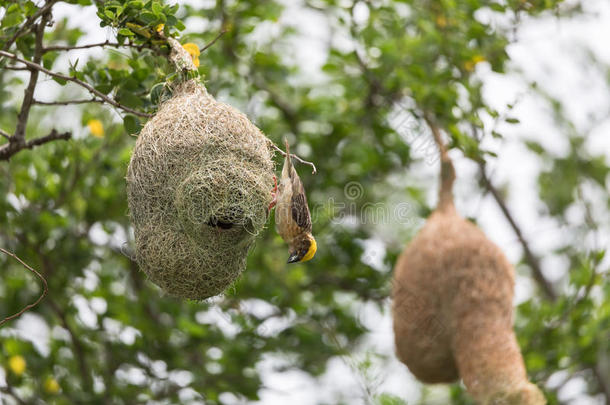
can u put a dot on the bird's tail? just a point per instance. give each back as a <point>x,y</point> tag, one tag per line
<point>445,194</point>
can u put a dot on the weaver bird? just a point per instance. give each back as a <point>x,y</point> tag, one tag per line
<point>292,216</point>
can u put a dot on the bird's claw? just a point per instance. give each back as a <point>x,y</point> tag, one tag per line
<point>273,194</point>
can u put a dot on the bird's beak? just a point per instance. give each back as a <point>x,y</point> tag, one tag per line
<point>294,258</point>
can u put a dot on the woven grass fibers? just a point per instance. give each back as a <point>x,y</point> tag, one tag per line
<point>198,187</point>
<point>453,309</point>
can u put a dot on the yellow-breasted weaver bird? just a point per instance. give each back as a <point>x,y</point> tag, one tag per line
<point>292,216</point>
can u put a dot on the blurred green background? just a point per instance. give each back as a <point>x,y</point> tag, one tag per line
<point>347,83</point>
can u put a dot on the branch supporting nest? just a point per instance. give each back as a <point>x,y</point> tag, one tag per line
<point>179,56</point>
<point>44,291</point>
<point>447,170</point>
<point>87,86</point>
<point>295,157</point>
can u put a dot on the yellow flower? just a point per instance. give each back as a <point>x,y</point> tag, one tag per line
<point>470,64</point>
<point>441,21</point>
<point>159,27</point>
<point>51,385</point>
<point>96,127</point>
<point>17,364</point>
<point>116,64</point>
<point>192,48</point>
<point>478,58</point>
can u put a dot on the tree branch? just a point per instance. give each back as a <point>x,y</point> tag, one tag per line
<point>212,42</point>
<point>295,157</point>
<point>18,139</point>
<point>69,102</point>
<point>531,259</point>
<point>28,23</point>
<point>5,134</point>
<point>44,291</point>
<point>9,149</point>
<point>95,45</point>
<point>15,68</point>
<point>54,135</point>
<point>87,86</point>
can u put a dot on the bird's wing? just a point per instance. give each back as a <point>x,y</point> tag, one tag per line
<point>298,203</point>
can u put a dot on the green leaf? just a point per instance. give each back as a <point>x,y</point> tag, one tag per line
<point>60,81</point>
<point>12,17</point>
<point>48,59</point>
<point>128,99</point>
<point>126,32</point>
<point>132,124</point>
<point>156,92</point>
<point>30,8</point>
<point>157,8</point>
<point>535,147</point>
<point>180,26</point>
<point>148,18</point>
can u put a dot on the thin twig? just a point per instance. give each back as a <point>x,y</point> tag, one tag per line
<point>87,86</point>
<point>531,259</point>
<point>18,68</point>
<point>69,102</point>
<point>54,135</point>
<point>9,149</point>
<point>212,42</point>
<point>44,291</point>
<point>22,120</point>
<point>28,23</point>
<point>87,46</point>
<point>5,135</point>
<point>295,157</point>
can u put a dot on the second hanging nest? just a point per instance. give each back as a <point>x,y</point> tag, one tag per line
<point>453,306</point>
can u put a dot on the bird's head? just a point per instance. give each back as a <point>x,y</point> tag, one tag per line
<point>303,249</point>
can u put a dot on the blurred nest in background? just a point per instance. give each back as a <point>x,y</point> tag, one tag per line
<point>198,188</point>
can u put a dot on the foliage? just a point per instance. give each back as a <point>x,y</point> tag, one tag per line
<point>113,338</point>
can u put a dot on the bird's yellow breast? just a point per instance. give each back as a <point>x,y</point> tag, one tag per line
<point>311,252</point>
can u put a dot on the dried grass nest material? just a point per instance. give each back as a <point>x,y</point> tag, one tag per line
<point>198,187</point>
<point>453,309</point>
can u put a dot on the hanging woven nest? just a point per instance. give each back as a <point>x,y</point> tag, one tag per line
<point>453,306</point>
<point>198,187</point>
